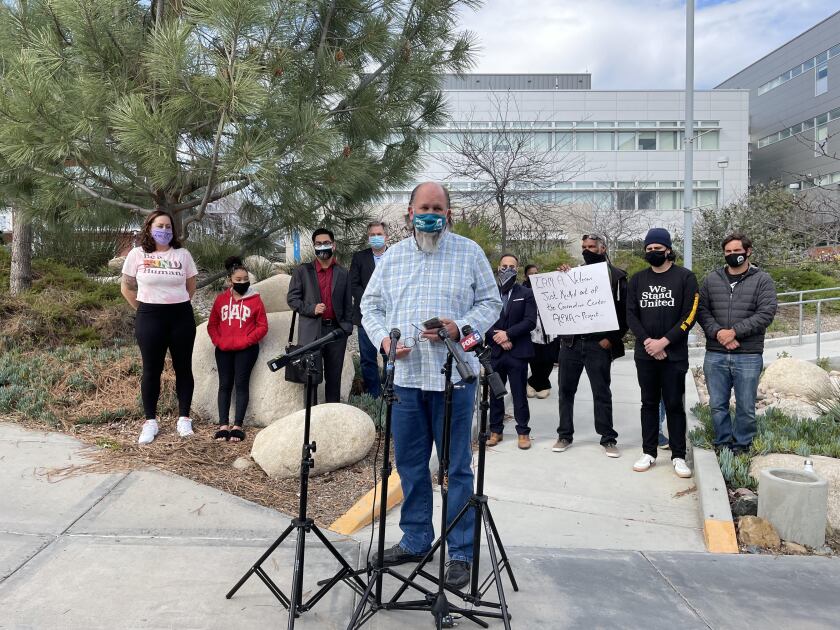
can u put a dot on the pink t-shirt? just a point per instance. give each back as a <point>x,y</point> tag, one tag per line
<point>161,276</point>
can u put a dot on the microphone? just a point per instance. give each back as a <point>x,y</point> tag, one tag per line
<point>394,336</point>
<point>471,341</point>
<point>464,369</point>
<point>283,360</point>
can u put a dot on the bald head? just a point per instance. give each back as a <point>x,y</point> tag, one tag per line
<point>427,191</point>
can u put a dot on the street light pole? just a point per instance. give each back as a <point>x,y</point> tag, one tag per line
<point>722,163</point>
<point>688,145</point>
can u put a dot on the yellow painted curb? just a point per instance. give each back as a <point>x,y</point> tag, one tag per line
<point>361,514</point>
<point>720,536</point>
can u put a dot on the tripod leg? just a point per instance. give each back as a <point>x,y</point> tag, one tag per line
<point>346,571</point>
<point>259,562</point>
<point>491,547</point>
<point>502,551</point>
<point>297,578</point>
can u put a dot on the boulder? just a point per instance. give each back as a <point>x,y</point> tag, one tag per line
<point>116,264</point>
<point>794,408</point>
<point>827,468</point>
<point>794,377</point>
<point>242,463</point>
<point>272,397</point>
<point>794,548</point>
<point>343,435</point>
<point>745,506</point>
<point>273,292</point>
<point>753,530</point>
<point>257,262</point>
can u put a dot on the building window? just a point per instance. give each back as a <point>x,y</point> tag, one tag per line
<point>709,141</point>
<point>668,140</point>
<point>647,200</point>
<point>821,140</point>
<point>604,141</point>
<point>563,141</point>
<point>584,141</point>
<point>668,200</point>
<point>626,200</point>
<point>706,198</point>
<point>647,141</point>
<point>542,141</point>
<point>438,142</point>
<point>626,141</point>
<point>821,80</point>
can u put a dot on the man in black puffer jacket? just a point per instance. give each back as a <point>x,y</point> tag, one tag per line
<point>737,304</point>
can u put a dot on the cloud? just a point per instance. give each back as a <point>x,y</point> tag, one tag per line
<point>635,43</point>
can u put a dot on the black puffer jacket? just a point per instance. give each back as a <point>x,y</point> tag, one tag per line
<point>748,308</point>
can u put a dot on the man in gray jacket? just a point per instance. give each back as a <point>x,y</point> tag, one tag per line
<point>737,304</point>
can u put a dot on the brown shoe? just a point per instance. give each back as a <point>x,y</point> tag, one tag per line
<point>494,439</point>
<point>524,442</point>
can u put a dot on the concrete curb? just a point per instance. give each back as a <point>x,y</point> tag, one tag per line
<point>718,526</point>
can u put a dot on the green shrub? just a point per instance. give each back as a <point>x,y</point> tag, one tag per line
<point>374,407</point>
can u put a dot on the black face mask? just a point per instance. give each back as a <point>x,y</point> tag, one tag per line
<point>735,260</point>
<point>591,258</point>
<point>656,259</point>
<point>324,254</point>
<point>241,287</point>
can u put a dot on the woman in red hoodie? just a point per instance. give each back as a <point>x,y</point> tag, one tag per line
<point>237,323</point>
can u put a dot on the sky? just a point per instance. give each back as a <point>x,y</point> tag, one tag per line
<point>640,44</point>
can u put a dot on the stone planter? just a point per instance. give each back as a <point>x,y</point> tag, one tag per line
<point>796,503</point>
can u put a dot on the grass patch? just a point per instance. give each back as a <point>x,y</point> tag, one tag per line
<point>777,433</point>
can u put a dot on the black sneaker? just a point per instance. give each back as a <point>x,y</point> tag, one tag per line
<point>458,574</point>
<point>396,555</point>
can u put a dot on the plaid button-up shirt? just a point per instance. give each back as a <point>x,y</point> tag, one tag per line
<point>410,286</point>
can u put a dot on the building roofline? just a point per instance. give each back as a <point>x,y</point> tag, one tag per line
<point>554,90</point>
<point>775,50</point>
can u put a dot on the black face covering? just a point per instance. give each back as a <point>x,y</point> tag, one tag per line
<point>656,259</point>
<point>241,287</point>
<point>591,258</point>
<point>735,260</point>
<point>324,254</point>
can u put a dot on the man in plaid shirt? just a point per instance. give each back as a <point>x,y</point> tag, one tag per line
<point>435,273</point>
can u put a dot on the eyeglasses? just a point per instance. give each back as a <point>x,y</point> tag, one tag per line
<point>410,341</point>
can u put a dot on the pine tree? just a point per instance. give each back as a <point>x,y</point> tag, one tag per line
<point>306,109</point>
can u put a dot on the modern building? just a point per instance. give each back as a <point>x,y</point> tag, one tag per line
<point>795,109</point>
<point>615,150</point>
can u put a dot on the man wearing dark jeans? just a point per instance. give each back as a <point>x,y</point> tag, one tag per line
<point>737,304</point>
<point>661,309</point>
<point>320,294</point>
<point>594,353</point>
<point>361,269</point>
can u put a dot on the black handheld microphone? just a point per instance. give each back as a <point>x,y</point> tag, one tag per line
<point>471,341</point>
<point>394,336</point>
<point>464,369</point>
<point>283,360</point>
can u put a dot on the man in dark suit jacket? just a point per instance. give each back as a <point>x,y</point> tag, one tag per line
<point>510,343</point>
<point>319,293</point>
<point>361,269</point>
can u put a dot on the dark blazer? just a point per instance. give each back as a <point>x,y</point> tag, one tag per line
<point>305,293</point>
<point>361,269</point>
<point>518,318</point>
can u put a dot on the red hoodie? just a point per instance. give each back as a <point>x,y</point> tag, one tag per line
<point>237,324</point>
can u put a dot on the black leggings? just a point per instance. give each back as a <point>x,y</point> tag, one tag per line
<point>235,369</point>
<point>158,328</point>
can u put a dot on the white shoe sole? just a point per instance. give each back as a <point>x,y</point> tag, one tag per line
<point>544,395</point>
<point>555,449</point>
<point>613,455</point>
<point>686,475</point>
<point>184,432</point>
<point>637,469</point>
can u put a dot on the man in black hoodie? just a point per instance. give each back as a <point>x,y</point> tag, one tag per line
<point>737,304</point>
<point>661,309</point>
<point>594,352</point>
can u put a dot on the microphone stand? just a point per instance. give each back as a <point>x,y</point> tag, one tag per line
<point>302,525</point>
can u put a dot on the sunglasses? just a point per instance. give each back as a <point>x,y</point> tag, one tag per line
<point>593,237</point>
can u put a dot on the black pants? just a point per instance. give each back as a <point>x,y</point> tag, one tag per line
<point>158,328</point>
<point>235,370</point>
<point>589,355</point>
<point>662,380</point>
<point>333,354</point>
<point>545,356</point>
<point>516,372</point>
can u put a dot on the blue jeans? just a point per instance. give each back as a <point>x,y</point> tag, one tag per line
<point>725,371</point>
<point>370,368</point>
<point>417,422</point>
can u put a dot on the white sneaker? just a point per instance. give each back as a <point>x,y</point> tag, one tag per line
<point>644,463</point>
<point>184,427</point>
<point>681,468</point>
<point>543,394</point>
<point>148,432</point>
<point>530,391</point>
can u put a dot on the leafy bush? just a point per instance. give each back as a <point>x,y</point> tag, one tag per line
<point>551,259</point>
<point>630,261</point>
<point>374,407</point>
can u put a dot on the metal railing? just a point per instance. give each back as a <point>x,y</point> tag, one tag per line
<point>801,302</point>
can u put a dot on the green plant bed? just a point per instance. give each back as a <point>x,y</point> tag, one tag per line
<point>777,433</point>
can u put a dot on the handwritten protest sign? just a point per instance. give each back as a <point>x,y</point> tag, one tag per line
<point>577,302</point>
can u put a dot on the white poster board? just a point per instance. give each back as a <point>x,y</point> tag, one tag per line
<point>577,302</point>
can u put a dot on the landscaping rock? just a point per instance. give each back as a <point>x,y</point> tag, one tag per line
<point>272,397</point>
<point>257,262</point>
<point>242,463</point>
<point>794,548</point>
<point>116,264</point>
<point>745,506</point>
<point>827,468</point>
<point>796,377</point>
<point>794,408</point>
<point>753,530</point>
<point>343,435</point>
<point>273,291</point>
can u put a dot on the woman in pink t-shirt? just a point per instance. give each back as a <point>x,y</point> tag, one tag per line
<point>158,282</point>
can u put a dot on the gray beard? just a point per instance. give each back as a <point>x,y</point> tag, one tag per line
<point>428,242</point>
